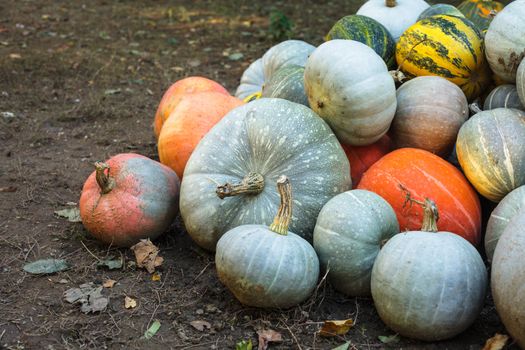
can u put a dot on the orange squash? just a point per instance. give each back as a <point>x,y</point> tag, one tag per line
<point>176,91</point>
<point>421,174</point>
<point>194,115</point>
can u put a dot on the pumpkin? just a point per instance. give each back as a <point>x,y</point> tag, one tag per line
<point>446,46</point>
<point>252,80</point>
<point>440,9</point>
<point>428,285</point>
<point>490,151</point>
<point>288,83</point>
<point>418,174</point>
<point>354,93</point>
<point>224,181</point>
<point>430,111</point>
<point>500,217</point>
<point>362,157</point>
<point>350,230</point>
<point>520,81</point>
<point>128,198</point>
<point>268,266</point>
<point>395,15</point>
<point>173,95</point>
<point>508,278</point>
<point>193,117</point>
<point>480,12</point>
<point>367,31</point>
<point>505,41</point>
<point>503,96</point>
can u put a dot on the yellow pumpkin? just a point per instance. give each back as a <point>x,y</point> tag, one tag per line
<point>446,46</point>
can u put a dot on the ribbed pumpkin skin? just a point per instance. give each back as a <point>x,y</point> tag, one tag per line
<point>503,96</point>
<point>426,175</point>
<point>500,217</point>
<point>396,19</point>
<point>430,111</point>
<point>271,137</point>
<point>362,157</point>
<point>440,9</point>
<point>193,117</point>
<point>252,80</point>
<point>520,81</point>
<point>446,46</point>
<point>505,40</point>
<point>368,31</point>
<point>142,204</point>
<point>286,53</point>
<point>173,95</point>
<point>349,232</point>
<point>480,12</point>
<point>508,278</point>
<point>428,286</point>
<point>491,151</point>
<point>287,83</point>
<point>355,94</point>
<point>265,269</point>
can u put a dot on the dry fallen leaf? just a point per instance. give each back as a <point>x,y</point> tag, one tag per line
<point>497,342</point>
<point>146,254</point>
<point>200,325</point>
<point>89,296</point>
<point>155,277</point>
<point>129,303</point>
<point>109,283</point>
<point>333,328</point>
<point>268,336</point>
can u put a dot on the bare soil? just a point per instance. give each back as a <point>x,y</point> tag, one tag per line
<point>80,82</point>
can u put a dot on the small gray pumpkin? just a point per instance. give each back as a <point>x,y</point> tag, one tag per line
<point>509,206</point>
<point>252,80</point>
<point>224,180</point>
<point>288,83</point>
<point>350,230</point>
<point>503,96</point>
<point>268,266</point>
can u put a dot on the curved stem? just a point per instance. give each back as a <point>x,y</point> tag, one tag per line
<point>284,215</point>
<point>390,3</point>
<point>253,183</point>
<point>430,216</point>
<point>105,182</point>
<point>474,108</point>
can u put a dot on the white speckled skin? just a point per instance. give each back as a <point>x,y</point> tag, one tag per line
<point>428,285</point>
<point>349,232</point>
<point>252,80</point>
<point>272,137</point>
<point>265,269</point>
<point>349,86</point>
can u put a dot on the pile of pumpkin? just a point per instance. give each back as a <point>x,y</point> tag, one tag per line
<point>266,176</point>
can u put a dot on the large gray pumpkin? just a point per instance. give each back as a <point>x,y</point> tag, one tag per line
<point>260,141</point>
<point>349,86</point>
<point>503,96</point>
<point>288,83</point>
<point>350,230</point>
<point>508,278</point>
<point>500,217</point>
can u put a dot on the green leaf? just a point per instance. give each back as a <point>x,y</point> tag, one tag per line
<point>244,345</point>
<point>111,264</point>
<point>152,330</point>
<point>46,266</point>
<point>71,214</point>
<point>344,346</point>
<point>389,339</point>
<point>236,56</point>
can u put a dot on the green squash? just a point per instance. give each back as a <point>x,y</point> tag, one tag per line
<point>440,9</point>
<point>349,233</point>
<point>480,12</point>
<point>287,83</point>
<point>225,180</point>
<point>368,31</point>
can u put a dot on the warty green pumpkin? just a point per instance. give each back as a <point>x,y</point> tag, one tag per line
<point>225,180</point>
<point>287,83</point>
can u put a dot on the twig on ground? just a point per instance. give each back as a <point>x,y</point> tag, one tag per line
<point>89,251</point>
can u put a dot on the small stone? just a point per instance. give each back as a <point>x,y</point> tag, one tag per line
<point>199,311</point>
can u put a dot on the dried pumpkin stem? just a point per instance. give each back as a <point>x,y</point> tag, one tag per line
<point>390,3</point>
<point>474,108</point>
<point>105,182</point>
<point>284,215</point>
<point>430,211</point>
<point>253,183</point>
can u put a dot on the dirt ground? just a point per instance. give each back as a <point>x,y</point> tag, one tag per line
<point>79,82</point>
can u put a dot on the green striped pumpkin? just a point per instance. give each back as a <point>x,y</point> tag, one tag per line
<point>446,46</point>
<point>480,12</point>
<point>440,9</point>
<point>368,31</point>
<point>288,83</point>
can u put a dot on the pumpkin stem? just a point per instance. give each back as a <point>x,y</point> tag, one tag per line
<point>430,211</point>
<point>284,215</point>
<point>253,183</point>
<point>390,3</point>
<point>474,107</point>
<point>105,182</point>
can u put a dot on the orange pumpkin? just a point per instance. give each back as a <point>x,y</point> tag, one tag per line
<point>362,157</point>
<point>176,91</point>
<point>422,174</point>
<point>192,118</point>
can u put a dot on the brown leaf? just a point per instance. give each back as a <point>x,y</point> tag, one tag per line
<point>268,336</point>
<point>200,325</point>
<point>332,328</point>
<point>146,254</point>
<point>129,303</point>
<point>8,189</point>
<point>497,342</point>
<point>109,283</point>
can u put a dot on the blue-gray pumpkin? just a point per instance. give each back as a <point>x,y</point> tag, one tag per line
<point>287,83</point>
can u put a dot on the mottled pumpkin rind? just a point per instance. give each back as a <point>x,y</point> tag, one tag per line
<point>440,9</point>
<point>480,12</point>
<point>287,83</point>
<point>503,96</point>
